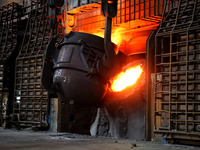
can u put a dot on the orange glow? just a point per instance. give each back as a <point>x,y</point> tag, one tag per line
<point>71,20</point>
<point>115,36</point>
<point>126,78</point>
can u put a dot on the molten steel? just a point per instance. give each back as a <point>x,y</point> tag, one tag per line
<point>126,78</point>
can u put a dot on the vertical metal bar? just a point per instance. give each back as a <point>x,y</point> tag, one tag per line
<point>45,23</point>
<point>38,29</point>
<point>34,26</point>
<point>139,10</point>
<point>79,2</point>
<point>125,11</point>
<point>108,27</point>
<point>187,59</point>
<point>5,24</point>
<point>2,31</point>
<point>158,7</point>
<point>150,87</point>
<point>26,30</point>
<point>11,22</point>
<point>154,7</point>
<point>144,9</point>
<point>134,9</point>
<point>186,80</point>
<point>149,8</point>
<point>170,71</point>
<point>120,11</point>
<point>163,13</point>
<point>129,10</point>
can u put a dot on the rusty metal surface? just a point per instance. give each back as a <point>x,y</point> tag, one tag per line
<point>31,100</point>
<point>8,50</point>
<point>177,98</point>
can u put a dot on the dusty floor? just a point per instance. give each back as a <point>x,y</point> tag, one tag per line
<point>11,139</point>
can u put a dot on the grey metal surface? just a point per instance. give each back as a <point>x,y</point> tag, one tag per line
<point>78,56</point>
<point>9,17</point>
<point>31,100</point>
<point>177,98</point>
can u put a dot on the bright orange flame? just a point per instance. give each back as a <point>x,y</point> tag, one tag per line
<point>126,78</point>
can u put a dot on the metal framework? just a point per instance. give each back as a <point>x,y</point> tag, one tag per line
<point>128,10</point>
<point>177,64</point>
<point>8,46</point>
<point>31,100</point>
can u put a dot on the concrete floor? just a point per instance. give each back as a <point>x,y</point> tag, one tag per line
<point>11,139</point>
